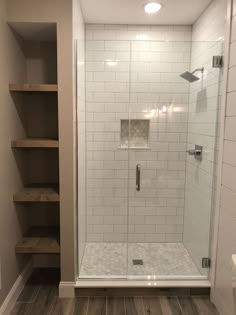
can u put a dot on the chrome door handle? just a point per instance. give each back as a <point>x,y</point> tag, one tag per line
<point>138,173</point>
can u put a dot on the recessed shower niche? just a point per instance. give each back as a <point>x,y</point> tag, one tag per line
<point>134,133</point>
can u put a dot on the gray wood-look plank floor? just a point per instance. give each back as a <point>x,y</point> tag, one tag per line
<point>40,297</point>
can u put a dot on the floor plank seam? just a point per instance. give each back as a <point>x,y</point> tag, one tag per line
<point>143,305</point>
<point>124,305</point>
<point>107,305</point>
<point>37,294</point>
<point>180,307</point>
<point>88,306</point>
<point>34,299</point>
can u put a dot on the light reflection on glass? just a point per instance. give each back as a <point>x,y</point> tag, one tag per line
<point>177,109</point>
<point>151,114</point>
<point>141,37</point>
<point>164,109</point>
<point>111,63</point>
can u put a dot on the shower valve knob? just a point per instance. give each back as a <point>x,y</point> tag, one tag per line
<point>194,152</point>
<point>191,152</point>
<point>197,152</point>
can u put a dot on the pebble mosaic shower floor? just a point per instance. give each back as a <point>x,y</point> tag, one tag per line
<point>159,259</point>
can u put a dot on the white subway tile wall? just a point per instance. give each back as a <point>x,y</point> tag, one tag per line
<point>132,72</point>
<point>203,129</point>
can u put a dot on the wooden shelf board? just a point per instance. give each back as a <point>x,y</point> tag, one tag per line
<point>35,143</point>
<point>33,87</point>
<point>38,193</point>
<point>40,240</point>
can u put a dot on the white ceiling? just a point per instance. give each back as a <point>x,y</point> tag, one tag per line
<point>131,11</point>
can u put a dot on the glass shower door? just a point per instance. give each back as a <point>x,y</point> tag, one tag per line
<point>204,124</point>
<point>169,115</point>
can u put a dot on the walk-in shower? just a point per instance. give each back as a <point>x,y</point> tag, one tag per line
<point>144,203</point>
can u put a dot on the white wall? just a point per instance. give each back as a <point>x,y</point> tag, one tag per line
<point>223,293</point>
<point>13,219</point>
<point>203,126</point>
<point>156,212</point>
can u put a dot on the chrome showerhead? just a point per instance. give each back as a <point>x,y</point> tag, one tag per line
<point>190,77</point>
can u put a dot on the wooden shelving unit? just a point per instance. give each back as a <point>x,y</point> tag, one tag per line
<point>36,100</point>
<point>39,240</point>
<point>38,193</point>
<point>33,87</point>
<point>35,143</point>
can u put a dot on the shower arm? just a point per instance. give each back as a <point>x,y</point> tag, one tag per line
<point>199,69</point>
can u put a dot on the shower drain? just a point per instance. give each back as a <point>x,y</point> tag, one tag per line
<point>137,262</point>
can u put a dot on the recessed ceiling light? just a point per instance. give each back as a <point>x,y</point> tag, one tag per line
<point>152,7</point>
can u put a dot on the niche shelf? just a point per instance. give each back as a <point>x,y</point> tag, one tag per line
<point>38,193</point>
<point>33,87</point>
<point>39,240</point>
<point>35,143</point>
<point>134,134</point>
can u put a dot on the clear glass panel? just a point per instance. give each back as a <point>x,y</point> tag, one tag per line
<point>81,150</point>
<point>104,166</point>
<point>203,129</point>
<point>170,216</point>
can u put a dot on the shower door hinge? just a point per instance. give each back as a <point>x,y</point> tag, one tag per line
<point>206,262</point>
<point>217,62</point>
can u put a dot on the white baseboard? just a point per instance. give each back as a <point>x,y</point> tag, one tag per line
<point>142,284</point>
<point>66,289</point>
<point>15,291</point>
